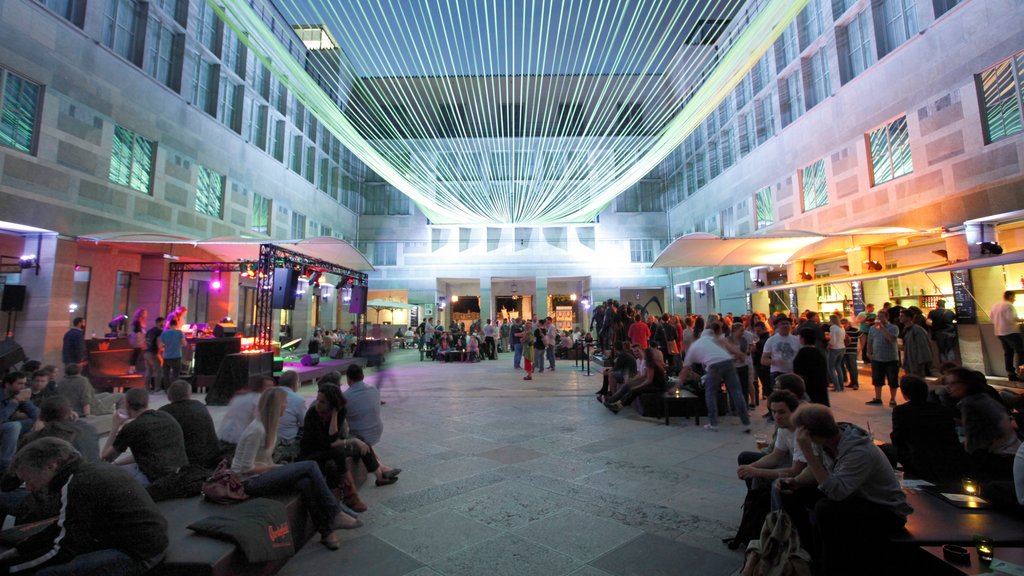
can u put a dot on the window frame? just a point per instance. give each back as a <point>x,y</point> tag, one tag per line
<point>33,143</point>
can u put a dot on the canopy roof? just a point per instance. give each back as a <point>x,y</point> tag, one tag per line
<point>702,249</point>
<point>1001,260</point>
<point>230,249</point>
<point>379,304</point>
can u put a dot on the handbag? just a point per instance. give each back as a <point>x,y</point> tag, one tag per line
<point>224,486</point>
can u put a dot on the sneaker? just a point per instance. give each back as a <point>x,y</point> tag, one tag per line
<point>711,427</point>
<point>527,378</point>
<point>614,407</point>
<point>892,402</point>
<point>874,402</point>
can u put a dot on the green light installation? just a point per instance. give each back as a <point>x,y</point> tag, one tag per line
<point>521,113</point>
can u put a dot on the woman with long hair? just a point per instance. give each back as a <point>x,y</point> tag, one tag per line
<point>324,441</point>
<point>137,337</point>
<point>253,462</point>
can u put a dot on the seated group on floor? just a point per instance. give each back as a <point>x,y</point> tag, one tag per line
<point>104,499</point>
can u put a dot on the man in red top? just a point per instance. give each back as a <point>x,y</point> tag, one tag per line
<point>639,333</point>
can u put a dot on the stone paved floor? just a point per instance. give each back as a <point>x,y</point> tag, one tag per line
<point>505,476</point>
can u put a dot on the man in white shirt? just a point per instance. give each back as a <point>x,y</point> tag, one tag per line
<point>490,349</point>
<point>756,467</point>
<point>836,351</point>
<point>780,349</point>
<point>717,355</point>
<point>1007,328</point>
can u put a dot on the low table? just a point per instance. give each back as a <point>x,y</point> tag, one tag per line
<point>1012,555</point>
<point>688,401</point>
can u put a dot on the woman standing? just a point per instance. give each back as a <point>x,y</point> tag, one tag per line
<point>137,337</point>
<point>253,462</point>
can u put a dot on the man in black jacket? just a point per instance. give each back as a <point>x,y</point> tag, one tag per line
<point>107,524</point>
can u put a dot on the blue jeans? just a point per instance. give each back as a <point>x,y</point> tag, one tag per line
<point>850,367</point>
<point>716,374</point>
<point>9,434</point>
<point>306,476</point>
<point>112,562</point>
<point>538,359</point>
<point>882,371</point>
<point>835,367</point>
<point>551,356</point>
<point>518,356</point>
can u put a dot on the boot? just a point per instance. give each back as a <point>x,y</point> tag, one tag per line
<point>350,495</point>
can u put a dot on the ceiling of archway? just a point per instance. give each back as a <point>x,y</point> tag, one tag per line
<point>511,112</point>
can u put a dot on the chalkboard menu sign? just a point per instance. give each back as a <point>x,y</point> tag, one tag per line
<point>857,288</point>
<point>793,304</point>
<point>966,312</point>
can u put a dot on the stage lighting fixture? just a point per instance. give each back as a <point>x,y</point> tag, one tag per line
<point>314,277</point>
<point>991,248</point>
<point>216,283</point>
<point>805,276</point>
<point>759,283</point>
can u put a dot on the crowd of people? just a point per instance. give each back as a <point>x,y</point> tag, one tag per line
<point>104,499</point>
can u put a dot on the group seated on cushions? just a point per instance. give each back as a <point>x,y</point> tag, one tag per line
<point>54,466</point>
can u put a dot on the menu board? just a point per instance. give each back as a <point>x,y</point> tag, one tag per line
<point>966,312</point>
<point>857,288</point>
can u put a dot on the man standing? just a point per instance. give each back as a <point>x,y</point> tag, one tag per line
<point>885,356</point>
<point>640,333</point>
<point>539,336</point>
<point>73,351</point>
<point>515,334</point>
<point>943,328</point>
<point>836,352</point>
<point>173,342</point>
<point>151,355</point>
<point>107,525</point>
<point>1007,328</point>
<point>780,349</point>
<point>864,321</point>
<point>550,337</point>
<point>917,350</point>
<point>717,354</point>
<point>503,332</point>
<point>154,437</point>
<point>490,348</point>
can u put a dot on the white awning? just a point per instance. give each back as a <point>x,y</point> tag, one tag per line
<point>701,249</point>
<point>389,305</point>
<point>331,250</point>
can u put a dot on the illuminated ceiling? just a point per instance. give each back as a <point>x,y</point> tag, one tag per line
<point>513,112</point>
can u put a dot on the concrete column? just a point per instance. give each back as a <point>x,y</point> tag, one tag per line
<point>41,325</point>
<point>540,299</point>
<point>486,300</point>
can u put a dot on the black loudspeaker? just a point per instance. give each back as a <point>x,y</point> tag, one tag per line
<point>225,330</point>
<point>13,299</point>
<point>308,360</point>
<point>286,282</point>
<point>357,305</point>
<point>10,354</point>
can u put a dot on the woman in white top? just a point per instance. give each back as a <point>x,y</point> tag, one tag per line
<point>253,462</point>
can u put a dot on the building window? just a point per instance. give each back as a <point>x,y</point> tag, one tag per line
<point>1001,89</point>
<point>839,7</point>
<point>258,125</point>
<point>70,10</point>
<point>297,149</point>
<point>811,22</point>
<point>764,111</point>
<point>298,226</point>
<point>19,105</point>
<point>208,28</point>
<point>764,209</point>
<point>786,47</point>
<point>814,185</point>
<point>854,45</point>
<point>204,85</point>
<point>229,104</point>
<point>728,219</point>
<point>234,54</point>
<point>791,98</point>
<point>210,193</point>
<point>943,6</point>
<point>163,57</point>
<point>641,250</point>
<point>277,136</point>
<point>260,215</point>
<point>747,133</point>
<point>816,78</point>
<point>309,171</point>
<point>121,28</point>
<point>895,23</point>
<point>645,196</point>
<point>131,160</point>
<point>890,151</point>
<point>385,253</point>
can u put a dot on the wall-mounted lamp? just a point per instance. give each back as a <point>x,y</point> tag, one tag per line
<point>987,248</point>
<point>873,265</point>
<point>27,261</point>
<point>455,298</point>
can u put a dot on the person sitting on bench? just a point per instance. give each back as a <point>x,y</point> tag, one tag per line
<point>201,444</point>
<point>153,436</point>
<point>849,488</point>
<point>653,381</point>
<point>253,462</point>
<point>107,524</point>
